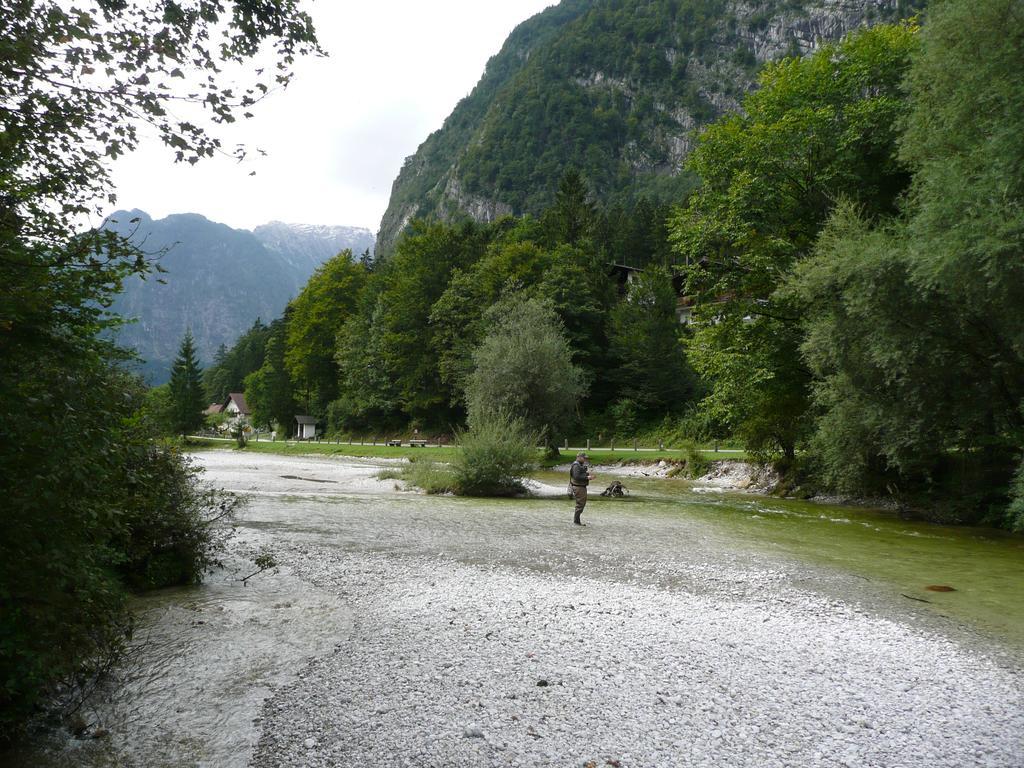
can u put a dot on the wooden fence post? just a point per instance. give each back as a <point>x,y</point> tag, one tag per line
<point>634,445</point>
<point>588,443</point>
<point>565,447</point>
<point>613,443</point>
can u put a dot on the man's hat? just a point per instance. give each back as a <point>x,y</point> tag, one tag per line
<point>581,454</point>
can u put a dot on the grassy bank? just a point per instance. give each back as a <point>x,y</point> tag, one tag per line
<point>447,452</point>
<point>430,476</point>
<point>283,448</point>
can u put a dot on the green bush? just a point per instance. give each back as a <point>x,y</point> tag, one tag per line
<point>99,509</point>
<point>624,415</point>
<point>167,535</point>
<point>426,474</point>
<point>239,434</point>
<point>696,464</point>
<point>156,409</point>
<point>495,454</point>
<point>1016,508</point>
<point>213,421</point>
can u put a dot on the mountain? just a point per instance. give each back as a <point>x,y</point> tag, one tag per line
<point>218,280</point>
<point>304,247</point>
<point>614,88</point>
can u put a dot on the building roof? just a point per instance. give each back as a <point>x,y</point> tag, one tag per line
<point>306,419</point>
<point>239,398</point>
<point>214,408</point>
<point>621,272</point>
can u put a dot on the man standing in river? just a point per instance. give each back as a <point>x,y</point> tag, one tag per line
<point>579,477</point>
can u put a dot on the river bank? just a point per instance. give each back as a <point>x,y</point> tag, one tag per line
<point>492,633</point>
<point>728,469</point>
<point>678,627</point>
<point>445,452</point>
<point>722,474</point>
<point>728,476</point>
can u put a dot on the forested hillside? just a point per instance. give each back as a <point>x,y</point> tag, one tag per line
<point>851,265</point>
<point>613,89</point>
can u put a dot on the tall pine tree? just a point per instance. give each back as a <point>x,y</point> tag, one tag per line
<point>650,368</point>
<point>187,397</point>
<point>573,215</point>
<point>269,390</point>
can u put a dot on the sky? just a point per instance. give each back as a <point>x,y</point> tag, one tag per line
<point>337,136</point>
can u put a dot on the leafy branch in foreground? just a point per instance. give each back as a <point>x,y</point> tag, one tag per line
<point>264,561</point>
<point>78,79</point>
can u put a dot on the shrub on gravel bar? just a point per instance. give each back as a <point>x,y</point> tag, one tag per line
<point>495,454</point>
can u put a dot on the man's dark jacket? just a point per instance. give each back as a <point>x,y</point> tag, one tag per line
<point>578,474</point>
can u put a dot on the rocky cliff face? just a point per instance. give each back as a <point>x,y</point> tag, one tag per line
<point>615,89</point>
<point>219,280</point>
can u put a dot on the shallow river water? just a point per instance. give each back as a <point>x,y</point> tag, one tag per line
<point>984,566</point>
<point>215,666</point>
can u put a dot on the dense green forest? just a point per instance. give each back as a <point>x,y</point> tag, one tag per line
<point>872,324</point>
<point>390,347</point>
<point>612,89</point>
<point>852,254</point>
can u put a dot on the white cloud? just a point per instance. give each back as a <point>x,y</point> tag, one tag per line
<point>337,136</point>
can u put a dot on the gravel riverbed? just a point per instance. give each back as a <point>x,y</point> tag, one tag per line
<point>456,665</point>
<point>495,634</point>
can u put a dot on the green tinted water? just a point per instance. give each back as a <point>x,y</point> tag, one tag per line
<point>984,566</point>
